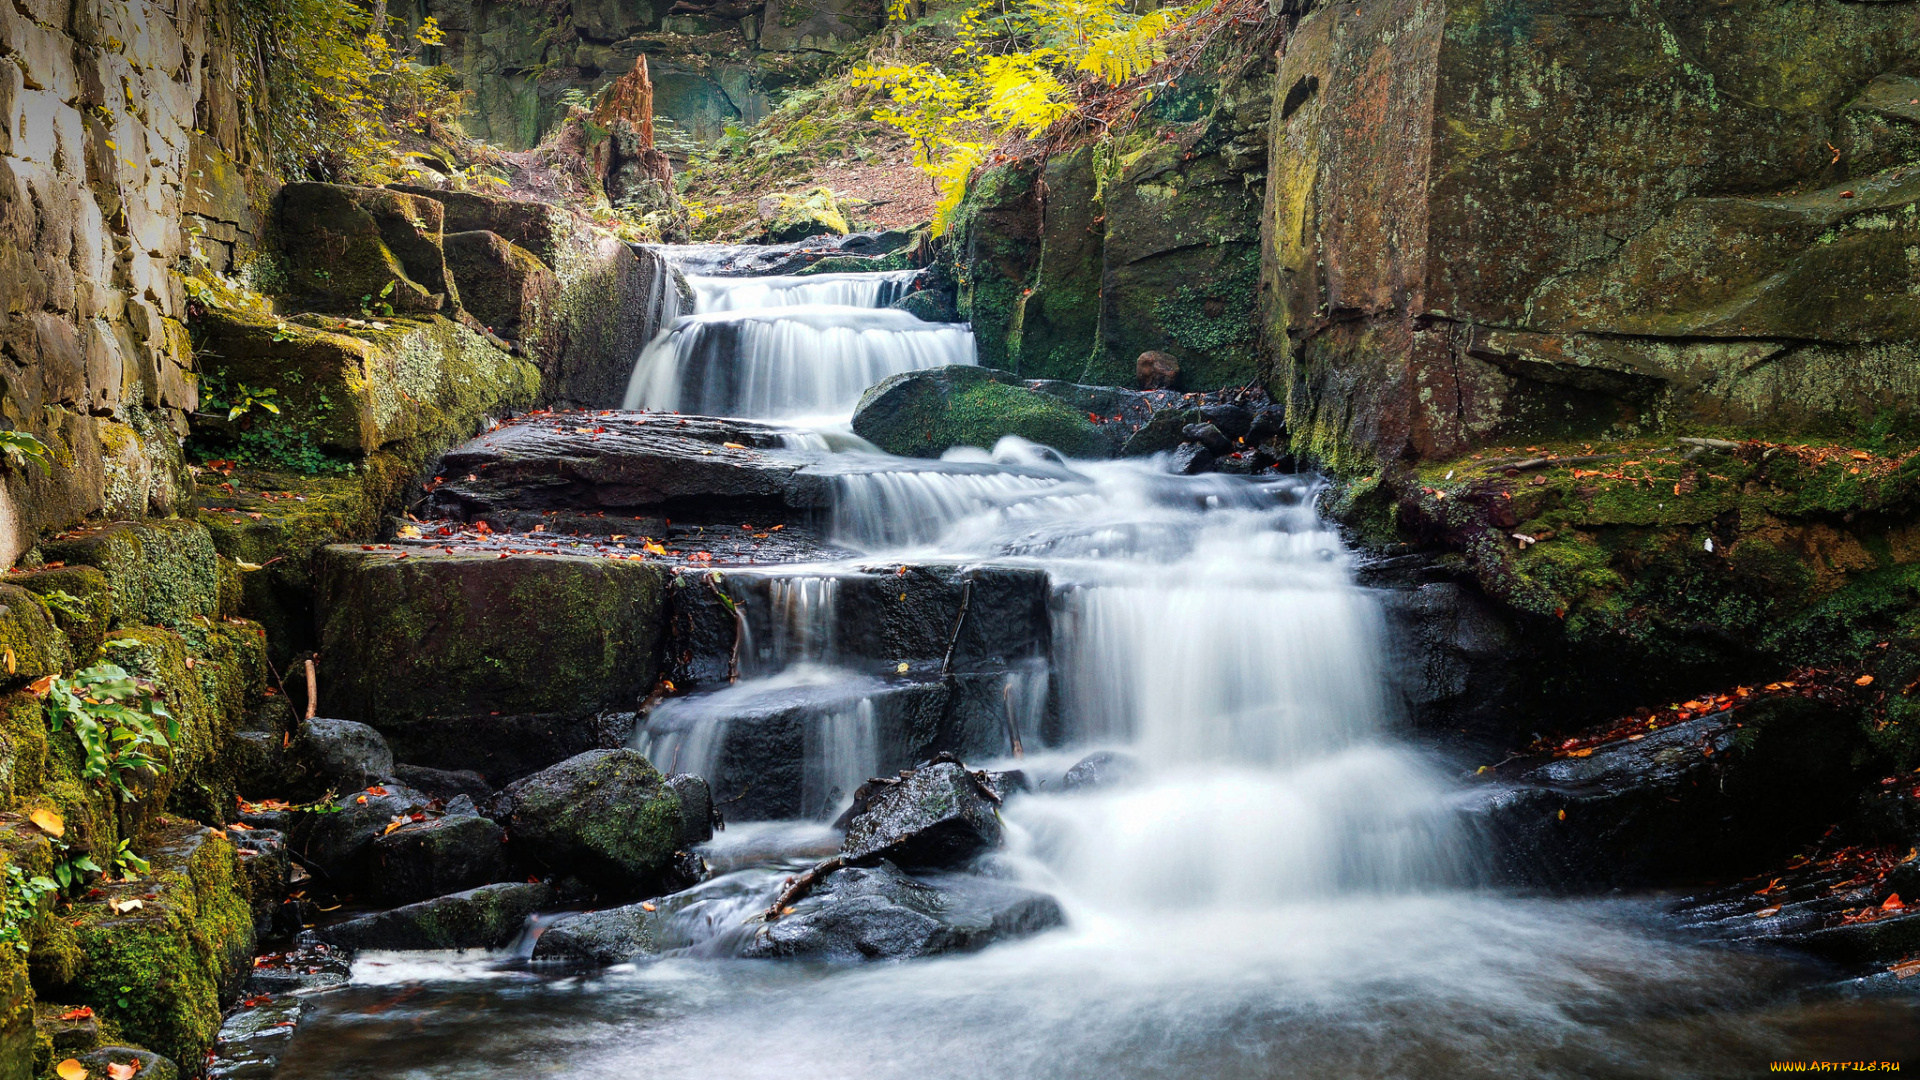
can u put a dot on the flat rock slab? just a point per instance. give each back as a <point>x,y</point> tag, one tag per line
<point>880,913</point>
<point>628,461</point>
<point>483,918</point>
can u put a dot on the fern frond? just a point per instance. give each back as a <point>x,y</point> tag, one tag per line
<point>951,174</point>
<point>1022,95</point>
<point>1123,54</point>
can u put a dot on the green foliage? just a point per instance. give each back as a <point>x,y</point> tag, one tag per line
<point>66,604</point>
<point>1016,72</point>
<point>21,903</point>
<point>20,446</point>
<point>339,91</point>
<point>247,398</point>
<point>118,719</point>
<point>126,864</point>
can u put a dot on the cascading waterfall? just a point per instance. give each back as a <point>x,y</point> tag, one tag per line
<point>789,348</point>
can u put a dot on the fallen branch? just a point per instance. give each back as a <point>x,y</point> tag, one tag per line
<point>313,689</point>
<point>959,621</point>
<point>800,885</point>
<point>1710,444</point>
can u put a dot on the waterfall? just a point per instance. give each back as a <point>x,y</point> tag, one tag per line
<point>839,290</point>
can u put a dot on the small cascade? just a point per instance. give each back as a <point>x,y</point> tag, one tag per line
<point>839,290</point>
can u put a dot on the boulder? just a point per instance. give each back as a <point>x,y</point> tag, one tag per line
<point>254,1039</point>
<point>484,918</point>
<point>339,756</point>
<point>1103,768</point>
<point>503,285</point>
<point>338,839</point>
<point>925,413</point>
<point>161,572</point>
<point>444,784</point>
<point>147,1064</point>
<point>268,870</point>
<point>1156,370</point>
<point>1208,436</point>
<point>787,218</point>
<point>606,817</point>
<point>936,816</point>
<point>932,305</point>
<point>437,856</point>
<point>880,913</point>
<point>1190,459</point>
<point>353,249</point>
<point>706,918</point>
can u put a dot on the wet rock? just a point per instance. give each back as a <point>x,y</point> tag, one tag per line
<point>1268,425</point>
<point>932,305</point>
<point>1716,795</point>
<point>880,913</point>
<point>1103,768</point>
<point>1233,421</point>
<point>254,1039</point>
<point>706,917</point>
<point>1460,665</point>
<point>308,967</point>
<point>351,246</point>
<point>1208,436</point>
<point>484,918</point>
<point>68,1035</point>
<point>339,756</point>
<point>606,817</point>
<point>927,412</point>
<point>268,870</point>
<point>444,784</point>
<point>337,841</point>
<point>1190,459</point>
<point>147,1065</point>
<point>437,856</point>
<point>935,816</point>
<point>1156,370</point>
<point>260,764</point>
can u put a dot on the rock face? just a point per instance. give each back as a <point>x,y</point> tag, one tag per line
<point>879,913</point>
<point>1469,267</point>
<point>437,856</point>
<point>606,817</point>
<point>339,841</point>
<point>354,249</point>
<point>938,815</point>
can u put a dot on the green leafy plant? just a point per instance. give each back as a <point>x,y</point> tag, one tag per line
<point>20,903</point>
<point>126,863</point>
<point>65,603</point>
<point>70,872</point>
<point>20,447</point>
<point>120,722</point>
<point>246,399</point>
<point>369,307</point>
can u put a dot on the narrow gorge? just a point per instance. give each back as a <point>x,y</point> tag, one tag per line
<point>694,538</point>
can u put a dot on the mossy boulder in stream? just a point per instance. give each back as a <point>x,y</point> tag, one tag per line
<point>606,817</point>
<point>925,413</point>
<point>500,665</point>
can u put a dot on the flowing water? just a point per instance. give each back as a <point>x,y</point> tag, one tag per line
<point>1284,890</point>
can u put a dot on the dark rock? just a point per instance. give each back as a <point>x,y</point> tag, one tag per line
<point>927,412</point>
<point>1157,370</point>
<point>503,285</point>
<point>268,870</point>
<point>696,807</point>
<point>310,966</point>
<point>607,817</point>
<point>1208,436</point>
<point>999,786</point>
<point>437,856</point>
<point>337,841</point>
<point>1234,421</point>
<point>1161,432</point>
<point>260,765</point>
<point>338,756</point>
<point>1103,768</point>
<point>707,917</point>
<point>147,1065</point>
<point>254,1039</point>
<point>444,784</point>
<point>1460,664</point>
<point>483,918</point>
<point>1190,459</point>
<point>1270,424</point>
<point>880,913</point>
<point>935,816</point>
<point>932,305</point>
<point>351,246</point>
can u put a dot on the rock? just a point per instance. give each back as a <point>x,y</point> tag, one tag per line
<point>475,662</point>
<point>1103,768</point>
<point>933,305</point>
<point>308,967</point>
<point>66,1035</point>
<point>158,573</point>
<point>606,817</point>
<point>1268,426</point>
<point>338,841</point>
<point>787,218</point>
<point>267,869</point>
<point>484,918</point>
<point>1156,370</point>
<point>1208,436</point>
<point>880,913</point>
<point>147,1065</point>
<point>925,413</point>
<point>260,766</point>
<point>1161,433</point>
<point>162,970</point>
<point>1233,421</point>
<point>437,856</point>
<point>705,917</point>
<point>339,756</point>
<point>445,784</point>
<point>504,286</point>
<point>354,249</point>
<point>935,816</point>
<point>254,1039</point>
<point>1190,459</point>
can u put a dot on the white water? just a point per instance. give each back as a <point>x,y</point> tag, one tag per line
<point>841,290</point>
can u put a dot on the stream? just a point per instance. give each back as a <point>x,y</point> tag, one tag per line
<point>1279,882</point>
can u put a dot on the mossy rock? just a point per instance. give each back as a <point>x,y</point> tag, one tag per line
<point>160,572</point>
<point>353,248</point>
<point>925,413</point>
<point>509,290</point>
<point>350,390</point>
<point>789,218</point>
<point>31,645</point>
<point>606,817</point>
<point>475,661</point>
<point>160,972</point>
<point>17,1032</point>
<point>85,617</point>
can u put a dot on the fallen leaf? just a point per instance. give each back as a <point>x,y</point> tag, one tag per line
<point>124,906</point>
<point>1864,680</point>
<point>648,907</point>
<point>83,1012</point>
<point>1563,815</point>
<point>41,687</point>
<point>70,1070</point>
<point>1767,912</point>
<point>248,567</point>
<point>733,446</point>
<point>376,790</point>
<point>1894,903</point>
<point>10,662</point>
<point>902,669</point>
<point>50,823</point>
<point>122,1070</point>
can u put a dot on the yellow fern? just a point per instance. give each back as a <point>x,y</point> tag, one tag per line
<point>950,175</point>
<point>1021,94</point>
<point>1122,54</point>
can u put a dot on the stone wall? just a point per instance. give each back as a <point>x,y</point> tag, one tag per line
<point>1525,221</point>
<point>123,151</point>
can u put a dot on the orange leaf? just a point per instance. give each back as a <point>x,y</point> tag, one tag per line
<point>70,1070</point>
<point>1766,912</point>
<point>84,1012</point>
<point>1894,903</point>
<point>122,1071</point>
<point>733,446</point>
<point>41,687</point>
<point>1864,680</point>
<point>50,823</point>
<point>376,790</point>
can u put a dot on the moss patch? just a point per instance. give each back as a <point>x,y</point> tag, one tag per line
<point>160,572</point>
<point>925,413</point>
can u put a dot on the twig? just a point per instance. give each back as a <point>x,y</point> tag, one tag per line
<point>799,886</point>
<point>313,689</point>
<point>1710,444</point>
<point>959,621</point>
<point>1013,726</point>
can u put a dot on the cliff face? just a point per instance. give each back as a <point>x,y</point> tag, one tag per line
<point>1522,221</point>
<point>123,150</point>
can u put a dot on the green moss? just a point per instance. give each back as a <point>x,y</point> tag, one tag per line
<point>159,972</point>
<point>83,612</point>
<point>925,413</point>
<point>23,749</point>
<point>31,645</point>
<point>160,572</point>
